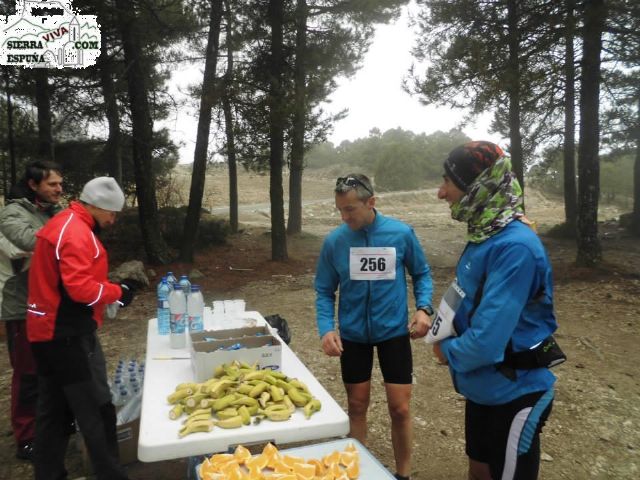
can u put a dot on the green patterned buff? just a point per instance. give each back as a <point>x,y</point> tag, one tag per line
<point>493,201</point>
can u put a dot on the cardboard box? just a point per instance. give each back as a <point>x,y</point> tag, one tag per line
<point>264,350</point>
<point>229,333</point>
<point>127,444</point>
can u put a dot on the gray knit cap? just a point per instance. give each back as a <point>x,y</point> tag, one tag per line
<point>103,192</point>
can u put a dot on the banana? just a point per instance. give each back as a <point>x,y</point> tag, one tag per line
<point>277,374</point>
<point>178,395</point>
<point>276,393</point>
<point>227,413</point>
<point>264,398</point>
<point>258,389</point>
<point>181,386</point>
<point>176,411</point>
<point>254,375</point>
<point>279,415</point>
<point>244,413</point>
<point>244,388</point>
<point>269,379</point>
<point>289,404</point>
<point>224,402</point>
<point>194,399</point>
<point>294,382</point>
<point>197,418</point>
<point>245,400</point>
<point>218,371</point>
<point>233,422</point>
<point>217,389</point>
<point>312,407</point>
<point>282,384</point>
<point>201,426</point>
<point>274,408</point>
<point>297,397</point>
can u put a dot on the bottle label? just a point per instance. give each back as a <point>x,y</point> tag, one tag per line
<point>195,323</point>
<point>177,323</point>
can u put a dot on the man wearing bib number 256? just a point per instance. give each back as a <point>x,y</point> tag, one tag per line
<point>496,316</point>
<point>365,259</point>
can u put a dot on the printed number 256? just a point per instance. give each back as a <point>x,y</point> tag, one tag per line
<point>372,264</point>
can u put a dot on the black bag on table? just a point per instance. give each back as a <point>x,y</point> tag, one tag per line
<point>281,325</point>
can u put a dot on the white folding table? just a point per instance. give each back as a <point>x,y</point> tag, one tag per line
<point>166,367</point>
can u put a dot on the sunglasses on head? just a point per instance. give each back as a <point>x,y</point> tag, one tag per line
<point>352,182</point>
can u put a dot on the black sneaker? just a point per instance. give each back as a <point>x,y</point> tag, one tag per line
<point>25,451</point>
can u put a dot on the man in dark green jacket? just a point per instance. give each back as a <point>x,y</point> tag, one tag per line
<point>33,201</point>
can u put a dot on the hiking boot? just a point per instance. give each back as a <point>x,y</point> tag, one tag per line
<point>25,451</point>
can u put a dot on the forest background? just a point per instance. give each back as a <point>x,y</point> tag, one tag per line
<point>560,79</point>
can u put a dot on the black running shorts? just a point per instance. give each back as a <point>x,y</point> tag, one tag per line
<point>507,436</point>
<point>394,356</point>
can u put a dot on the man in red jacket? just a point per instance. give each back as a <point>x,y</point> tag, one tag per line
<point>68,290</point>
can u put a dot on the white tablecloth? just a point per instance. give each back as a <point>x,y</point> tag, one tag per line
<point>166,367</point>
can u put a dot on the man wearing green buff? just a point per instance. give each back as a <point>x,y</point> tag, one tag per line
<point>494,324</point>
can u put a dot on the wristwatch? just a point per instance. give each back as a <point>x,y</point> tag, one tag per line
<point>427,309</point>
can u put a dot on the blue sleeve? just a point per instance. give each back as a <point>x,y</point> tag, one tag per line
<point>326,284</point>
<point>420,272</point>
<point>506,292</point>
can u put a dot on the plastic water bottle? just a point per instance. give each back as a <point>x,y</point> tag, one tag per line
<point>171,280</point>
<point>122,397</point>
<point>177,319</point>
<point>185,284</point>
<point>163,307</point>
<point>195,309</point>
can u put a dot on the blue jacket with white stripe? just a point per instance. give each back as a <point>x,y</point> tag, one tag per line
<point>516,305</point>
<point>370,311</point>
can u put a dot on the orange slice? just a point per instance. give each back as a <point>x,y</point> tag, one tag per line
<point>330,459</point>
<point>347,458</point>
<point>291,460</point>
<point>269,449</point>
<point>304,471</point>
<point>350,447</point>
<point>258,462</point>
<point>241,454</point>
<point>278,466</point>
<point>353,470</point>
<point>320,469</point>
<point>221,458</point>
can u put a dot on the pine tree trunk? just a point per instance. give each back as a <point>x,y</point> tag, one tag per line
<point>589,249</point>
<point>513,87</point>
<point>276,131</point>
<point>207,100</point>
<point>10,134</point>
<point>43,104</point>
<point>112,152</point>
<point>142,133</point>
<point>229,125</point>
<point>233,164</point>
<point>636,175</point>
<point>300,110</point>
<point>569,150</point>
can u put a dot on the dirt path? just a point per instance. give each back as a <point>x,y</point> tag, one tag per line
<point>594,430</point>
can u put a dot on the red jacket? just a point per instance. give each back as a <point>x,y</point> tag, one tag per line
<point>68,286</point>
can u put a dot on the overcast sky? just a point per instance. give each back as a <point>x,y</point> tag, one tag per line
<point>373,97</point>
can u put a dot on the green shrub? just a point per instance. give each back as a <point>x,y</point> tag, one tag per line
<point>124,240</point>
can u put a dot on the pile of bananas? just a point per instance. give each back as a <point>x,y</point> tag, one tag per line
<point>238,394</point>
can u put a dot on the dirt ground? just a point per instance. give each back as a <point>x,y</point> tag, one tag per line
<point>594,430</point>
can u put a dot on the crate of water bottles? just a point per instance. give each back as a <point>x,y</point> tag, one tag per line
<point>180,309</point>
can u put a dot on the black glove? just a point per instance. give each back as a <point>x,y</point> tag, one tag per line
<point>128,293</point>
